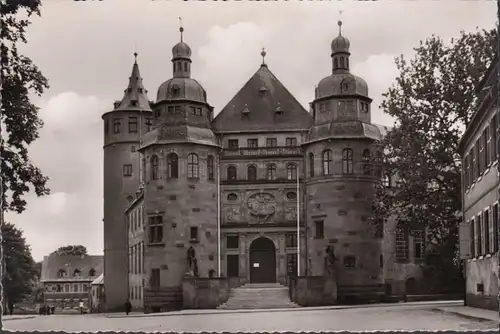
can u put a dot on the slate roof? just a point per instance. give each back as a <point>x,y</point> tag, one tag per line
<point>255,107</point>
<point>53,263</point>
<point>135,96</point>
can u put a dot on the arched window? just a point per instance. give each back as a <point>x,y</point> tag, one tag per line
<point>154,167</point>
<point>92,272</point>
<point>327,162</point>
<point>210,167</point>
<point>401,242</point>
<point>75,287</point>
<point>232,173</point>
<point>185,67</point>
<point>61,273</point>
<point>335,63</point>
<point>347,161</point>
<point>252,173</point>
<point>179,66</point>
<point>271,171</point>
<point>366,162</point>
<point>66,287</point>
<point>342,62</point>
<point>291,172</point>
<point>311,164</point>
<point>172,166</point>
<point>193,166</point>
<point>76,273</point>
<point>58,288</point>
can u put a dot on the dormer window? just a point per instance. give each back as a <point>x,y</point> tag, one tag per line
<point>245,111</point>
<point>278,109</point>
<point>364,107</point>
<point>322,108</point>
<point>134,103</point>
<point>175,91</point>
<point>344,87</point>
<point>141,90</point>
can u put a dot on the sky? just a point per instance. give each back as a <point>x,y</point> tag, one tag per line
<point>85,49</point>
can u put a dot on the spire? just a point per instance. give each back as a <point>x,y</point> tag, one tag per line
<point>135,96</point>
<point>263,54</point>
<point>181,29</point>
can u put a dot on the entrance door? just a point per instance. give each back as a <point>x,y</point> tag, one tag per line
<point>262,261</point>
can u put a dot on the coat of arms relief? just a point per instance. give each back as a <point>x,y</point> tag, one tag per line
<point>261,206</point>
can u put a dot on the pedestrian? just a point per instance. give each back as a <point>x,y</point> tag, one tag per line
<point>11,308</point>
<point>128,307</point>
<point>52,309</point>
<point>81,307</point>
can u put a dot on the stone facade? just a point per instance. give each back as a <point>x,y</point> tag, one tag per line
<point>227,196</point>
<point>480,228</point>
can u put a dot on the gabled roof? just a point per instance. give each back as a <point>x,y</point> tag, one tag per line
<point>135,96</point>
<point>262,104</point>
<point>53,263</point>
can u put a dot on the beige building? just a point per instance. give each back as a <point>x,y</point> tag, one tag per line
<point>480,181</point>
<point>66,279</point>
<point>223,196</point>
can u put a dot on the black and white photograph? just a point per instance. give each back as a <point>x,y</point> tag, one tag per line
<point>249,166</point>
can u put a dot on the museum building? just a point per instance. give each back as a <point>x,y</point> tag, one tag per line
<point>257,193</point>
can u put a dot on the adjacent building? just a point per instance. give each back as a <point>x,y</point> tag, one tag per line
<point>225,196</point>
<point>480,181</point>
<point>66,279</point>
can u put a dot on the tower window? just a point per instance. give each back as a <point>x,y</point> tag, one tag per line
<point>251,173</point>
<point>117,124</point>
<point>335,63</point>
<point>179,66</point>
<point>154,167</point>
<point>311,164</point>
<point>344,86</point>
<point>210,167</point>
<point>193,233</point>
<point>149,124</point>
<point>252,143</point>
<point>155,229</point>
<point>170,109</point>
<point>366,162</point>
<point>233,143</point>
<point>347,167</point>
<point>185,67</point>
<point>198,111</point>
<point>401,242</point>
<point>232,173</point>
<point>349,261</point>
<point>271,172</point>
<point>322,108</point>
<point>319,228</point>
<point>341,61</point>
<point>132,124</point>
<point>193,111</point>
<point>327,162</point>
<point>193,166</point>
<point>127,170</point>
<point>106,126</point>
<point>172,166</point>
<point>175,91</point>
<point>271,142</point>
<point>364,106</point>
<point>291,172</point>
<point>347,62</point>
<point>157,113</point>
<point>177,110</point>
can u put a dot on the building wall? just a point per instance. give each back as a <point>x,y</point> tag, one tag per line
<point>182,203</point>
<point>119,190</point>
<point>136,248</point>
<point>344,204</point>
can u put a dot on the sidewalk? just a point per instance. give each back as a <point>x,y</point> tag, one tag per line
<point>438,304</point>
<point>470,312</point>
<point>18,317</point>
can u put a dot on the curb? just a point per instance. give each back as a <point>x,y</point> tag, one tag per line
<point>459,314</point>
<point>20,318</point>
<point>292,309</point>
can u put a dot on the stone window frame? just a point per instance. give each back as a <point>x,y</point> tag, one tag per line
<point>172,166</point>
<point>252,143</point>
<point>291,171</point>
<point>367,156</point>
<point>193,166</point>
<point>327,160</point>
<point>133,124</point>
<point>271,169</point>
<point>402,242</point>
<point>232,173</point>
<point>149,124</point>
<point>311,164</point>
<point>155,168</point>
<point>347,161</point>
<point>155,230</point>
<point>252,172</point>
<point>210,167</point>
<point>117,125</point>
<point>271,142</point>
<point>127,170</point>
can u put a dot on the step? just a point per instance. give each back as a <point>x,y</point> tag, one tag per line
<point>259,296</point>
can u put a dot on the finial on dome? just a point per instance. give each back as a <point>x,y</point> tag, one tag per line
<point>263,54</point>
<point>340,27</point>
<point>135,57</point>
<point>181,29</point>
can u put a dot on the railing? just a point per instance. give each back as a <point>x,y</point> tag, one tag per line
<point>262,151</point>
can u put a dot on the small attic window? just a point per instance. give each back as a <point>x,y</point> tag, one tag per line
<point>263,89</point>
<point>278,109</point>
<point>246,111</point>
<point>140,90</point>
<point>134,103</point>
<point>175,91</point>
<point>344,86</point>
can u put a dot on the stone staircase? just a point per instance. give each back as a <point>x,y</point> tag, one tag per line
<point>258,296</point>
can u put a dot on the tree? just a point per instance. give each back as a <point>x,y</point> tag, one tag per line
<point>21,270</point>
<point>432,101</point>
<point>20,78</point>
<point>71,250</point>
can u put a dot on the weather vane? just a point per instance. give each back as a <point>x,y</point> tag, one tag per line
<point>263,54</point>
<point>340,22</point>
<point>181,29</point>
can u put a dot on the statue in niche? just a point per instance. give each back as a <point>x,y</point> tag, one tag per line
<point>330,261</point>
<point>192,263</point>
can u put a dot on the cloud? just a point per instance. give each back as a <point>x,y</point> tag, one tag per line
<point>69,152</point>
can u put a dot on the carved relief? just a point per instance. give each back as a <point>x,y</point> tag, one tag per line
<point>291,213</point>
<point>232,213</point>
<point>262,205</point>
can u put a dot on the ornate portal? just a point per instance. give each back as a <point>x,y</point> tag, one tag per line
<point>262,205</point>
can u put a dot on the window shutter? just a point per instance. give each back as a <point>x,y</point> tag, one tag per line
<point>465,240</point>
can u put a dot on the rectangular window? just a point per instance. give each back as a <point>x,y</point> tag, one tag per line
<point>487,147</point>
<point>127,170</point>
<point>106,126</point>
<point>291,240</point>
<point>493,133</point>
<point>349,261</point>
<point>193,233</point>
<point>149,124</point>
<point>291,264</point>
<point>155,225</point>
<point>252,143</point>
<point>117,124</point>
<point>472,227</point>
<point>480,161</point>
<point>474,163</point>
<point>132,124</point>
<point>232,242</point>
<point>322,108</point>
<point>233,265</point>
<point>486,229</point>
<point>494,223</point>
<point>155,279</point>
<point>170,109</point>
<point>193,111</point>
<point>479,236</point>
<point>177,110</point>
<point>466,172</point>
<point>271,142</point>
<point>485,150</point>
<point>418,244</point>
<point>233,143</point>
<point>291,142</point>
<point>198,112</point>
<point>319,229</point>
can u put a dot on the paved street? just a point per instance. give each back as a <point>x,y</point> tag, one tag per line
<point>419,316</point>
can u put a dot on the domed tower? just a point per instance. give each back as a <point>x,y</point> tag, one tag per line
<point>123,128</point>
<point>340,180</point>
<point>180,193</point>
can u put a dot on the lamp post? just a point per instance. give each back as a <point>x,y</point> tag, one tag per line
<point>498,139</point>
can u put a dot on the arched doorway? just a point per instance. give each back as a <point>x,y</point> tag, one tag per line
<point>262,261</point>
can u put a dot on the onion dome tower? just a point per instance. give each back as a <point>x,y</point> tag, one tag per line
<point>123,128</point>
